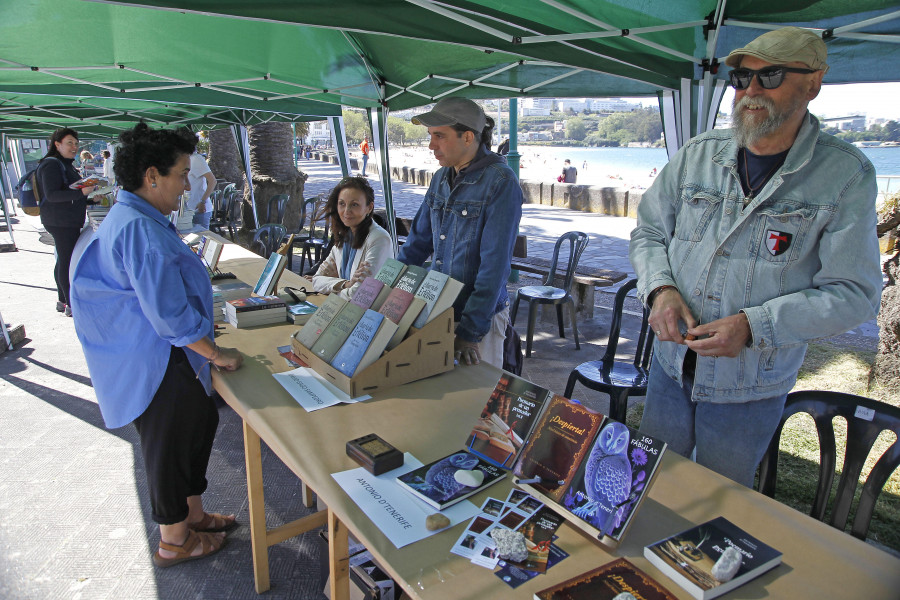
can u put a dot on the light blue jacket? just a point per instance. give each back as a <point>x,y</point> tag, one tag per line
<point>470,228</point>
<point>801,260</point>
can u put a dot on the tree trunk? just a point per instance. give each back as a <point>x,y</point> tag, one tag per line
<point>272,164</point>
<point>886,370</point>
<point>224,160</point>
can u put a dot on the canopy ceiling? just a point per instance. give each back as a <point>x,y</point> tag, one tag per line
<point>101,64</point>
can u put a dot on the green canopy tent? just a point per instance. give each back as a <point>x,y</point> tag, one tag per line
<point>394,54</point>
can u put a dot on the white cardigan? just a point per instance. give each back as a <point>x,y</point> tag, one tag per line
<point>377,248</point>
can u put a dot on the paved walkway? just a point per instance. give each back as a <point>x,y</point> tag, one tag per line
<point>74,519</point>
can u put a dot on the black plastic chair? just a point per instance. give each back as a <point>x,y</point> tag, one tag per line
<point>267,239</point>
<point>218,219</point>
<point>234,215</point>
<point>537,295</point>
<point>618,378</point>
<point>866,419</point>
<point>275,208</point>
<point>313,244</point>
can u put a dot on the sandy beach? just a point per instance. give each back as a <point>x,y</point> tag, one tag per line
<point>535,165</point>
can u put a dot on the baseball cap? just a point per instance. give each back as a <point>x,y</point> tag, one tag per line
<point>785,45</point>
<point>451,111</point>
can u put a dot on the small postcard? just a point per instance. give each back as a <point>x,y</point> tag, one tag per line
<point>492,507</point>
<point>514,576</point>
<point>486,557</point>
<point>516,496</point>
<point>529,505</point>
<point>465,545</point>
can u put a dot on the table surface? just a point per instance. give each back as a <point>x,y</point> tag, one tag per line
<point>432,418</point>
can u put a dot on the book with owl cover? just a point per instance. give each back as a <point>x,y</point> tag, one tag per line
<point>436,482</point>
<point>598,485</point>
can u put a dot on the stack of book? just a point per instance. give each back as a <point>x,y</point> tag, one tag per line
<point>223,292</point>
<point>258,310</point>
<point>352,335</point>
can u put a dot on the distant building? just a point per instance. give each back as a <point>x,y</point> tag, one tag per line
<point>851,123</point>
<point>319,133</point>
<point>537,107</point>
<point>612,105</point>
<point>576,104</point>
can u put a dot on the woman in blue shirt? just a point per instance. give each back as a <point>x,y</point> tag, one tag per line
<point>143,314</point>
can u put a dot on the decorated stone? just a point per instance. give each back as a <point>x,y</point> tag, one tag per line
<point>727,566</point>
<point>436,521</point>
<point>624,596</point>
<point>510,544</point>
<point>468,478</point>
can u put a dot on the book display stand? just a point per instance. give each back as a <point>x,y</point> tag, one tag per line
<point>423,353</point>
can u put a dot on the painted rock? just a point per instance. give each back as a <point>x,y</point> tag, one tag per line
<point>469,478</point>
<point>510,544</point>
<point>727,566</point>
<point>436,521</point>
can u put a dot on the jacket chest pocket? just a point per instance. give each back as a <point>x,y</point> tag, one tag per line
<point>695,215</point>
<point>781,231</point>
<point>465,217</point>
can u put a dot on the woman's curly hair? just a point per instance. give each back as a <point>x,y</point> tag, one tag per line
<point>141,148</point>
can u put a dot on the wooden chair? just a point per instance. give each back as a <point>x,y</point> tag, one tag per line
<point>537,295</point>
<point>866,419</point>
<point>618,378</point>
<point>267,239</point>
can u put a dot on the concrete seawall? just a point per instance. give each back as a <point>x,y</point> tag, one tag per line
<point>585,198</point>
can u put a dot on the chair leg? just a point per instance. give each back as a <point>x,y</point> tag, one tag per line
<point>515,309</point>
<point>532,317</point>
<point>618,404</point>
<point>559,321</point>
<point>570,384</point>
<point>574,324</point>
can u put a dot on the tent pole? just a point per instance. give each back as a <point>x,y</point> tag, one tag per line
<point>340,144</point>
<point>378,125</point>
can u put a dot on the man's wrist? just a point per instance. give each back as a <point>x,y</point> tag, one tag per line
<point>651,297</point>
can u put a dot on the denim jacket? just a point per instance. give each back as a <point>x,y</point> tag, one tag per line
<point>800,260</point>
<point>470,228</point>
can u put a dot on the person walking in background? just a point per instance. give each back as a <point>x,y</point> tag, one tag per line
<point>364,148</point>
<point>569,173</point>
<point>468,223</point>
<point>108,174</point>
<point>361,246</point>
<point>203,183</point>
<point>144,317</point>
<point>87,163</point>
<point>63,209</point>
<point>503,149</point>
<point>750,243</point>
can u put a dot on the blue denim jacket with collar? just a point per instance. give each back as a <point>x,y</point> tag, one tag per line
<point>470,228</point>
<point>800,260</point>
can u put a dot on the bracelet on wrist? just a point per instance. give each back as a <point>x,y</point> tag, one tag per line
<point>656,292</point>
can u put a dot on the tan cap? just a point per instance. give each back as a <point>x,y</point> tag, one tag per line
<point>782,46</point>
<point>452,111</point>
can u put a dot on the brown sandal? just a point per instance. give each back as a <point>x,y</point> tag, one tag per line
<point>183,552</point>
<point>206,524</point>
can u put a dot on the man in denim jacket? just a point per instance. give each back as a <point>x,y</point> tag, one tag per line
<point>468,224</point>
<point>751,243</point>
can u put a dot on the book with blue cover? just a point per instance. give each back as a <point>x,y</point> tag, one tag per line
<point>349,356</point>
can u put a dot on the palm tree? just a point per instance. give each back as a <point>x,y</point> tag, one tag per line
<point>272,164</point>
<point>886,371</point>
<point>224,160</point>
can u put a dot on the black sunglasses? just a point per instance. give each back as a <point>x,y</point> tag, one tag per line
<point>769,77</point>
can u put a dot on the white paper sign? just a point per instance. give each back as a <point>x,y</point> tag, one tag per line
<point>394,511</point>
<point>311,390</point>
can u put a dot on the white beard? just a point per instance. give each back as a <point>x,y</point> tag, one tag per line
<point>747,130</point>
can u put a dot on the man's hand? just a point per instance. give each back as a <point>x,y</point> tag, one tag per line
<point>228,359</point>
<point>668,309</point>
<point>466,352</point>
<point>722,337</point>
<point>201,208</point>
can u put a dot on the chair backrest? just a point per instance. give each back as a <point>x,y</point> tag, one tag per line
<point>267,238</point>
<point>317,222</point>
<point>577,242</point>
<point>866,419</point>
<point>275,208</point>
<point>644,349</point>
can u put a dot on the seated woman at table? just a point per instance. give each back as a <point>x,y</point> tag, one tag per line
<point>361,246</point>
<point>143,315</point>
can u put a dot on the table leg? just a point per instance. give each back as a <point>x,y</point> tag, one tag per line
<point>257,509</point>
<point>338,559</point>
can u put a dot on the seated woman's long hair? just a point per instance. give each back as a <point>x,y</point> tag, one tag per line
<point>337,226</point>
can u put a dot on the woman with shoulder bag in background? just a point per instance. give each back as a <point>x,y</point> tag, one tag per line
<point>63,210</point>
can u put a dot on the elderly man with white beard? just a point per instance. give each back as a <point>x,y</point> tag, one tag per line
<point>750,243</point>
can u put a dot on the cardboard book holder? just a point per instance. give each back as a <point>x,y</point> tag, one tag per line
<point>423,353</point>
